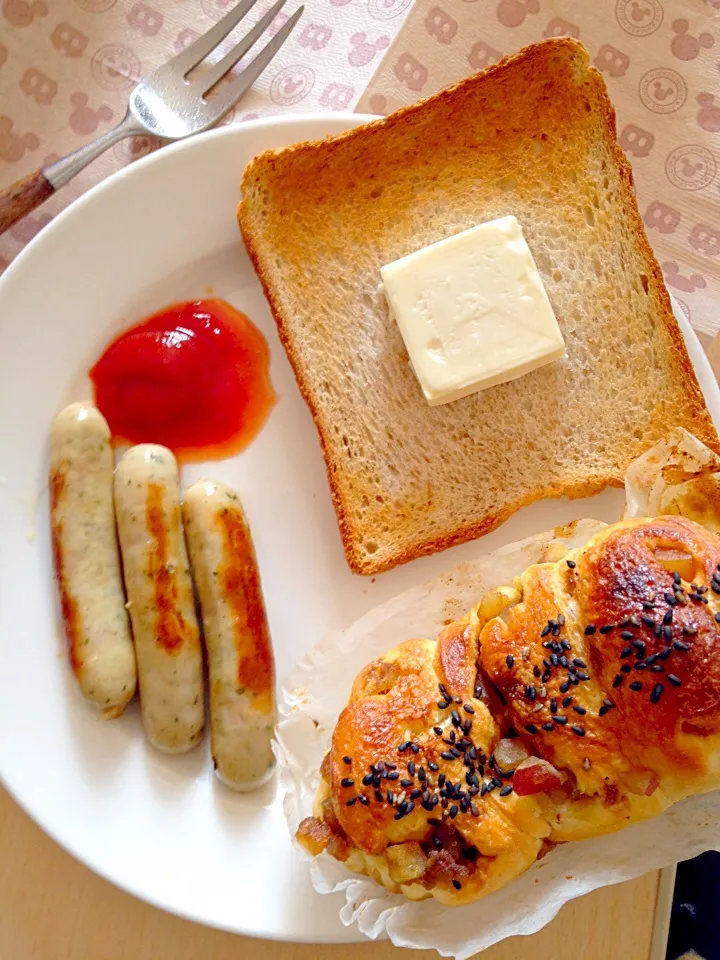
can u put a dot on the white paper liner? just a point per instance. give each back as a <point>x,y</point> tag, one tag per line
<point>674,477</point>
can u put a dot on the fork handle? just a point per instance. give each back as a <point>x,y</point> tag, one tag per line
<point>22,197</point>
<point>26,194</point>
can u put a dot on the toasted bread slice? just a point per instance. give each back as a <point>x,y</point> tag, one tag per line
<point>533,136</point>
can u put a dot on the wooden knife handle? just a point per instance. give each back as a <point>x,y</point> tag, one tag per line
<point>22,197</point>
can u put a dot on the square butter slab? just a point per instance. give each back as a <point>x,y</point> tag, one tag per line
<point>473,311</point>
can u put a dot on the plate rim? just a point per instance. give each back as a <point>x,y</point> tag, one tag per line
<point>339,122</point>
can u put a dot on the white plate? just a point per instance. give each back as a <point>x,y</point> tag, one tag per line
<point>163,828</point>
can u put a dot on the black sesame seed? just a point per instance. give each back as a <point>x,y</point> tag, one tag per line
<point>674,680</point>
<point>701,590</point>
<point>580,710</point>
<point>446,755</point>
<point>665,653</point>
<point>497,781</point>
<point>578,731</point>
<point>581,675</point>
<point>680,645</point>
<point>567,701</point>
<point>671,599</point>
<point>536,672</point>
<point>589,629</point>
<point>717,618</point>
<point>457,884</point>
<point>625,668</point>
<point>668,617</point>
<point>414,747</point>
<point>455,716</point>
<point>443,705</point>
<point>617,680</point>
<point>545,631</point>
<point>561,721</point>
<point>403,746</point>
<point>510,660</point>
<point>571,564</point>
<point>468,708</point>
<point>393,775</point>
<point>433,766</point>
<point>648,621</point>
<point>627,635</point>
<point>531,728</point>
<point>553,705</point>
<point>347,760</point>
<point>564,686</point>
<point>411,767</point>
<point>406,782</point>
<point>390,797</point>
<point>441,780</point>
<point>378,796</point>
<point>565,644</point>
<point>636,685</point>
<point>530,692</point>
<point>579,663</point>
<point>347,782</point>
<point>676,576</point>
<point>368,779</point>
<point>364,800</point>
<point>548,726</point>
<point>656,693</point>
<point>421,774</point>
<point>507,789</point>
<point>553,660</point>
<point>351,801</point>
<point>438,731</point>
<point>453,811</point>
<point>657,668</point>
<point>415,794</point>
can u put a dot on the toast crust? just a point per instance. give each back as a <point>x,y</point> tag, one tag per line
<point>273,166</point>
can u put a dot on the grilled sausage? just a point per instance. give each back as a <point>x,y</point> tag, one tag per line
<point>160,597</point>
<point>240,659</point>
<point>87,561</point>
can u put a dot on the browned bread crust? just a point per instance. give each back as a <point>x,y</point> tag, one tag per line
<point>558,671</point>
<point>533,136</point>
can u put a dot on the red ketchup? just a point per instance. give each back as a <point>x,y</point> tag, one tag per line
<point>193,377</point>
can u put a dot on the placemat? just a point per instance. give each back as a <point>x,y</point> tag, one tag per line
<point>67,66</point>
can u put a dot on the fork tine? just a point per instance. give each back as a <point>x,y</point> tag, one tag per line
<point>200,48</point>
<point>230,95</point>
<point>219,69</point>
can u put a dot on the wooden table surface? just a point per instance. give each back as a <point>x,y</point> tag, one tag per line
<point>53,908</point>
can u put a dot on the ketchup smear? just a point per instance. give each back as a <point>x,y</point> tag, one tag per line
<point>193,377</point>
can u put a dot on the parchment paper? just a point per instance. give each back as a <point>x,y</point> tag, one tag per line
<point>673,477</point>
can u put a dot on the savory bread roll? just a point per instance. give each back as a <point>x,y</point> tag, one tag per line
<point>580,699</point>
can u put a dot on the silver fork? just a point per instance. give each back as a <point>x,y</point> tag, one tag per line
<point>166,103</point>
